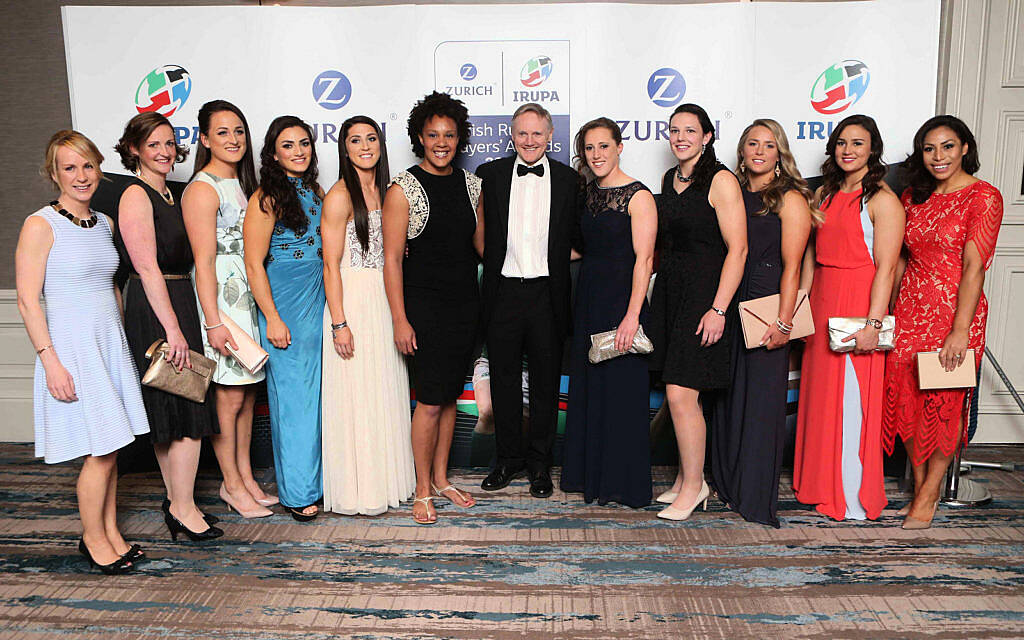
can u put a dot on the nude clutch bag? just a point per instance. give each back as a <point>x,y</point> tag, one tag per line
<point>187,383</point>
<point>760,313</point>
<point>249,354</point>
<point>931,375</point>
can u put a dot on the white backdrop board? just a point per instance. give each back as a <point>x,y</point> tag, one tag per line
<point>807,65</point>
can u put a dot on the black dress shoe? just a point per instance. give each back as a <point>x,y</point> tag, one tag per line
<point>540,484</point>
<point>209,517</point>
<point>500,477</point>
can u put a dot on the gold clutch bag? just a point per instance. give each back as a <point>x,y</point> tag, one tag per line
<point>843,327</point>
<point>602,345</point>
<point>187,383</point>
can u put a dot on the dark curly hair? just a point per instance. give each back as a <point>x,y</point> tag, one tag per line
<point>707,165</point>
<point>438,104</point>
<point>832,174</point>
<point>136,132</point>
<point>918,178</point>
<point>279,197</point>
<point>579,160</point>
<point>347,172</point>
<point>246,169</point>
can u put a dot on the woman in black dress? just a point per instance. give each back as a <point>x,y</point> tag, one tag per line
<point>749,419</point>
<point>607,445</point>
<point>160,303</point>
<point>433,234</point>
<point>702,232</point>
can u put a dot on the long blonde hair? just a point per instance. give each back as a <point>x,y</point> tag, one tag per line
<point>789,177</point>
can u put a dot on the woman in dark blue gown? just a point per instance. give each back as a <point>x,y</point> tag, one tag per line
<point>607,446</point>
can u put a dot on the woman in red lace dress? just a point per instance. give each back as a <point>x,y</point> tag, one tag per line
<point>953,221</point>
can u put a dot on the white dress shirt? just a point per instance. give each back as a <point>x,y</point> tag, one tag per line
<point>529,215</point>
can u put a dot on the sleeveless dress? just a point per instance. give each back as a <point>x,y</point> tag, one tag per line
<point>367,446</point>
<point>87,335</point>
<point>442,298</point>
<point>838,460</point>
<point>234,298</point>
<point>171,417</point>
<point>937,232</point>
<point>692,252</point>
<point>748,425</point>
<point>295,271</point>
<point>607,451</point>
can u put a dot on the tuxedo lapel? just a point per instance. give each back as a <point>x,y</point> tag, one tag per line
<point>558,189</point>
<point>504,184</point>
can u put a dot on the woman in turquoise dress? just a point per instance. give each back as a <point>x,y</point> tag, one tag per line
<point>283,260</point>
<point>213,206</point>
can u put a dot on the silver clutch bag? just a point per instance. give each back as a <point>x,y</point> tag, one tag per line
<point>602,345</point>
<point>843,327</point>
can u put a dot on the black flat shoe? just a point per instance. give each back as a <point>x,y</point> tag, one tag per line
<point>117,567</point>
<point>541,485</point>
<point>303,517</point>
<point>175,527</point>
<point>134,554</point>
<point>500,477</point>
<point>210,519</point>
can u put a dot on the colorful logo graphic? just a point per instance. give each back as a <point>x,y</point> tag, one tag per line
<point>535,71</point>
<point>164,90</point>
<point>467,71</point>
<point>839,86</point>
<point>666,87</point>
<point>332,89</point>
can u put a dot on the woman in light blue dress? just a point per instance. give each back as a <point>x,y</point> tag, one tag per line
<point>213,207</point>
<point>87,399</point>
<point>283,260</point>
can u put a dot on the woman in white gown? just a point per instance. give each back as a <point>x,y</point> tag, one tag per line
<point>367,451</point>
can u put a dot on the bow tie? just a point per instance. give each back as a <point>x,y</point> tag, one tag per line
<point>537,170</point>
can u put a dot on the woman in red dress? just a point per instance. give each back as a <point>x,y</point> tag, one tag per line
<point>953,221</point>
<point>850,269</point>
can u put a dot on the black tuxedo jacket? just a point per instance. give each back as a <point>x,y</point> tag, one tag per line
<point>563,225</point>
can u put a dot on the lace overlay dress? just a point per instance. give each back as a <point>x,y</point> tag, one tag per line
<point>367,448</point>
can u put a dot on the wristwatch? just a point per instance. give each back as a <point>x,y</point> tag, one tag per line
<point>718,311</point>
<point>874,322</point>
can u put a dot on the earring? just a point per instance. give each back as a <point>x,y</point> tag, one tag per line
<point>777,171</point>
<point>743,168</point>
<point>703,147</point>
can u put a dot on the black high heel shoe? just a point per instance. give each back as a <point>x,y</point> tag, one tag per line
<point>297,513</point>
<point>117,567</point>
<point>210,519</point>
<point>175,527</point>
<point>134,554</point>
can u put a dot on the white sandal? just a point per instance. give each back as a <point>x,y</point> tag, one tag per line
<point>439,493</point>
<point>429,502</point>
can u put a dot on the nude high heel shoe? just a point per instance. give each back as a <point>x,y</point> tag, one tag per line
<point>261,512</point>
<point>668,497</point>
<point>671,513</point>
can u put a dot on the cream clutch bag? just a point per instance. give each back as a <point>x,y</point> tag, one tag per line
<point>249,354</point>
<point>187,383</point>
<point>760,313</point>
<point>842,327</point>
<point>931,375</point>
<point>602,345</point>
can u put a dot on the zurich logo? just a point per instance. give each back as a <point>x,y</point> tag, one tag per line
<point>840,86</point>
<point>332,90</point>
<point>468,71</point>
<point>666,87</point>
<point>535,71</point>
<point>163,90</point>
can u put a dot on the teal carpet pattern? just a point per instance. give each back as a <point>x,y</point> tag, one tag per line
<point>512,567</point>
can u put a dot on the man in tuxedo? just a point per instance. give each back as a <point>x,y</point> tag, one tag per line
<point>530,209</point>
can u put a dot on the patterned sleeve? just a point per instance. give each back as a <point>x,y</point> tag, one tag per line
<point>984,215</point>
<point>419,206</point>
<point>473,183</point>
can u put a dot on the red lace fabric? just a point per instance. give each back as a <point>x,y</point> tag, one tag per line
<point>937,232</point>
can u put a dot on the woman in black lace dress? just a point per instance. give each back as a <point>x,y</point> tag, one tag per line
<point>702,232</point>
<point>607,448</point>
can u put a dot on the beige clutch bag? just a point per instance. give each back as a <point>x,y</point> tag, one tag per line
<point>249,354</point>
<point>187,383</point>
<point>602,345</point>
<point>760,313</point>
<point>931,375</point>
<point>842,327</point>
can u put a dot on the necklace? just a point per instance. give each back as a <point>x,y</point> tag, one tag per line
<point>681,178</point>
<point>85,223</point>
<point>166,195</point>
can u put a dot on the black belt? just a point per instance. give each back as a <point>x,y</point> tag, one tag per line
<point>166,276</point>
<point>526,280</point>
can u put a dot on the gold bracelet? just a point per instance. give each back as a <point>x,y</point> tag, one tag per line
<point>38,351</point>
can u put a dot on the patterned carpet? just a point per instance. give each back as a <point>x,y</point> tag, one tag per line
<point>513,567</point>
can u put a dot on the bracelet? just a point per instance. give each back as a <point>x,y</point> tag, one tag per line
<point>783,327</point>
<point>717,310</point>
<point>213,327</point>
<point>38,351</point>
<point>340,325</point>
